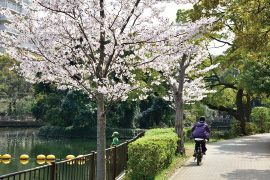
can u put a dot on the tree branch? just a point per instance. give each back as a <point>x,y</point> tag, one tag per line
<point>225,42</point>
<point>222,108</point>
<point>223,84</point>
<point>131,13</point>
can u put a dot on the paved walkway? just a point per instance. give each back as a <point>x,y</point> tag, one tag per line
<point>245,158</point>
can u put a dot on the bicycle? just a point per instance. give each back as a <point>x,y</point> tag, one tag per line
<point>199,153</point>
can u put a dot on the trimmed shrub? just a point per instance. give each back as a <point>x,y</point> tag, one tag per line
<point>151,153</point>
<point>261,115</point>
<point>236,128</point>
<point>267,127</point>
<point>225,134</point>
<point>187,133</point>
<point>217,134</point>
<point>229,134</point>
<point>251,128</point>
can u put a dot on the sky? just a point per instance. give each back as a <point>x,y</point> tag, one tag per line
<point>171,11</point>
<point>172,8</point>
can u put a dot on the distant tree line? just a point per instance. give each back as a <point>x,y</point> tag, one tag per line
<point>73,108</point>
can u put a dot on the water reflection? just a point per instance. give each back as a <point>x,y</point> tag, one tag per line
<point>18,141</point>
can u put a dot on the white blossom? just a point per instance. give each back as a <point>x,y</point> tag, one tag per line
<point>59,41</point>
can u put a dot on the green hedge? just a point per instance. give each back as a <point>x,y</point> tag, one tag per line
<point>151,153</point>
<point>85,132</point>
<point>251,128</point>
<point>187,133</point>
<point>21,124</point>
<point>224,134</point>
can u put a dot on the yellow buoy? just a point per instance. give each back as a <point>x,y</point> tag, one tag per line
<point>70,157</point>
<point>49,161</point>
<point>6,156</point>
<point>24,157</point>
<point>24,161</point>
<point>41,157</point>
<point>41,161</point>
<point>81,160</point>
<point>6,161</point>
<point>50,157</point>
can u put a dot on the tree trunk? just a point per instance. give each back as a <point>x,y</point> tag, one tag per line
<point>240,111</point>
<point>101,135</point>
<point>179,106</point>
<point>101,117</point>
<point>248,107</point>
<point>179,126</point>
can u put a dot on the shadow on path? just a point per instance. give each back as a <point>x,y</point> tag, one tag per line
<point>193,163</point>
<point>251,174</point>
<point>245,145</point>
<point>190,164</point>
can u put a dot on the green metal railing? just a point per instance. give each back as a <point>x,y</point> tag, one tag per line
<point>79,168</point>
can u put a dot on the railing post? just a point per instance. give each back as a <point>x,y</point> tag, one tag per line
<point>52,170</point>
<point>93,166</point>
<point>114,163</point>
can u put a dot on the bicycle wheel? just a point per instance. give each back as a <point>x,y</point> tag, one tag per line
<point>199,158</point>
<point>199,155</point>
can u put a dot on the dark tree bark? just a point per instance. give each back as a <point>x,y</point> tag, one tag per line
<point>101,117</point>
<point>179,105</point>
<point>232,112</point>
<point>240,110</point>
<point>101,134</point>
<point>248,107</point>
<point>179,126</point>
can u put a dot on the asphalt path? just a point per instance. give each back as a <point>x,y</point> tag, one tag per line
<point>245,158</point>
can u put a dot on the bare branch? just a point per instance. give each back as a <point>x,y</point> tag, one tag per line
<point>225,42</point>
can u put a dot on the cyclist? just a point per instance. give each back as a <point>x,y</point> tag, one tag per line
<point>200,130</point>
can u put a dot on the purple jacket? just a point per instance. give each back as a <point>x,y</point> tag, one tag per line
<point>200,130</point>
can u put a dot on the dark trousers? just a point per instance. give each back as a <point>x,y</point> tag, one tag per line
<point>197,145</point>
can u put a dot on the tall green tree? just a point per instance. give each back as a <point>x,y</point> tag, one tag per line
<point>13,87</point>
<point>242,25</point>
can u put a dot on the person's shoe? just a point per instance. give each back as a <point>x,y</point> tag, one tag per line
<point>194,155</point>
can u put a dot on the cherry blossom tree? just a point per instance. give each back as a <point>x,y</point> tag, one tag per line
<point>93,46</point>
<point>180,62</point>
<point>184,73</point>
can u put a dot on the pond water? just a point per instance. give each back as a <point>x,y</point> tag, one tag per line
<point>18,141</point>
